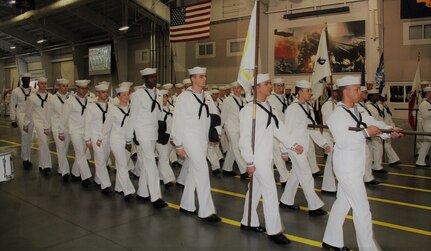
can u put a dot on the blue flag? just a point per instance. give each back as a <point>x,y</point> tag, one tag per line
<point>380,75</point>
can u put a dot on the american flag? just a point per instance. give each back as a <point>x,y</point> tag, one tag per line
<point>191,22</point>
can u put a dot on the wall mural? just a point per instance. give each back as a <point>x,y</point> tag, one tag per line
<point>295,48</point>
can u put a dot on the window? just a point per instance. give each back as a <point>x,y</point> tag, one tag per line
<point>417,32</point>
<point>235,47</point>
<point>205,50</point>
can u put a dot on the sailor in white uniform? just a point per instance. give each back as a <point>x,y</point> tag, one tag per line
<point>114,132</point>
<point>349,165</point>
<point>392,156</point>
<point>224,143</point>
<point>190,134</point>
<point>232,105</point>
<point>56,103</point>
<point>163,146</point>
<point>144,115</point>
<point>73,122</point>
<point>19,98</point>
<point>36,113</point>
<point>94,119</point>
<point>425,114</point>
<point>298,115</point>
<point>278,100</point>
<point>214,153</point>
<point>376,142</point>
<point>328,183</point>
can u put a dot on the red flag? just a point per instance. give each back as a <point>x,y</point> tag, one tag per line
<point>191,22</point>
<point>416,91</point>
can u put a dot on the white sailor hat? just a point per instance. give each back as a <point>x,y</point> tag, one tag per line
<point>62,81</point>
<point>167,86</point>
<point>227,87</point>
<point>278,81</point>
<point>425,82</point>
<point>373,91</point>
<point>348,80</point>
<point>215,91</point>
<point>102,87</point>
<point>427,89</point>
<point>179,86</point>
<point>162,92</point>
<point>82,82</point>
<point>104,83</point>
<point>364,88</point>
<point>187,81</point>
<point>123,88</point>
<point>42,79</point>
<point>334,87</point>
<point>128,84</point>
<point>148,71</point>
<point>234,84</point>
<point>304,84</point>
<point>26,75</point>
<point>262,77</point>
<point>197,70</point>
<point>222,88</point>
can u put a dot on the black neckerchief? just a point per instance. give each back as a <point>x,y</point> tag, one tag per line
<point>43,100</point>
<point>381,113</point>
<point>270,115</point>
<point>59,98</point>
<point>154,101</point>
<point>284,103</point>
<point>240,106</point>
<point>308,113</point>
<point>125,115</point>
<point>25,94</point>
<point>103,111</point>
<point>83,106</point>
<point>358,121</point>
<point>171,103</point>
<point>167,113</point>
<point>387,109</point>
<point>218,107</point>
<point>202,104</point>
<point>366,109</point>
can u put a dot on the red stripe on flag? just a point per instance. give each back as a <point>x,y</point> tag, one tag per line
<point>191,33</point>
<point>199,15</point>
<point>201,3</point>
<point>188,39</point>
<point>188,28</point>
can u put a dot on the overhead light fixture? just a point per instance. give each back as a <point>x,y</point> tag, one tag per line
<point>123,28</point>
<point>42,40</point>
<point>343,9</point>
<point>125,11</point>
<point>12,2</point>
<point>12,47</point>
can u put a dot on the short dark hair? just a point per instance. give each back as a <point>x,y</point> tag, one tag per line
<point>340,91</point>
<point>297,89</point>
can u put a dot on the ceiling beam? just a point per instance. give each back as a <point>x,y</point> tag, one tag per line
<point>56,30</point>
<point>55,7</point>
<point>96,19</point>
<point>5,45</point>
<point>22,36</point>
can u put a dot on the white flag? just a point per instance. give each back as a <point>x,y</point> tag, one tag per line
<point>417,84</point>
<point>246,70</point>
<point>321,68</point>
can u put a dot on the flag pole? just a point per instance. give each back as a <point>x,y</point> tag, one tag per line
<point>416,113</point>
<point>253,123</point>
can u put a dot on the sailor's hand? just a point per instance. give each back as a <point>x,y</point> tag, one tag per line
<point>397,132</point>
<point>373,131</point>
<point>25,129</point>
<point>14,124</point>
<point>328,149</point>
<point>89,145</point>
<point>285,157</point>
<point>181,152</point>
<point>47,132</point>
<point>61,136</point>
<point>251,170</point>
<point>299,149</point>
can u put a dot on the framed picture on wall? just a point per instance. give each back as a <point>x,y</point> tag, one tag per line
<point>142,56</point>
<point>295,48</point>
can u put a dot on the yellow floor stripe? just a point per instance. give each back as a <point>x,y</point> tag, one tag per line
<point>375,222</point>
<point>406,187</point>
<point>410,175</point>
<point>238,224</point>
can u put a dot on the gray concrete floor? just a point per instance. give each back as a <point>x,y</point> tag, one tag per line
<point>42,213</point>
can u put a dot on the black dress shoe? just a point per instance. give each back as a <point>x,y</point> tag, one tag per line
<point>159,204</point>
<point>213,218</point>
<point>279,239</point>
<point>396,163</point>
<point>283,184</point>
<point>332,248</point>
<point>417,165</point>
<point>372,182</point>
<point>317,212</point>
<point>74,178</point>
<point>229,173</point>
<point>328,192</point>
<point>27,164</point>
<point>169,185</point>
<point>258,229</point>
<point>216,172</point>
<point>128,197</point>
<point>221,162</point>
<point>179,184</point>
<point>86,183</point>
<point>244,176</point>
<point>317,174</point>
<point>46,171</point>
<point>291,207</point>
<point>381,171</point>
<point>106,191</point>
<point>141,198</point>
<point>182,210</point>
<point>66,178</point>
